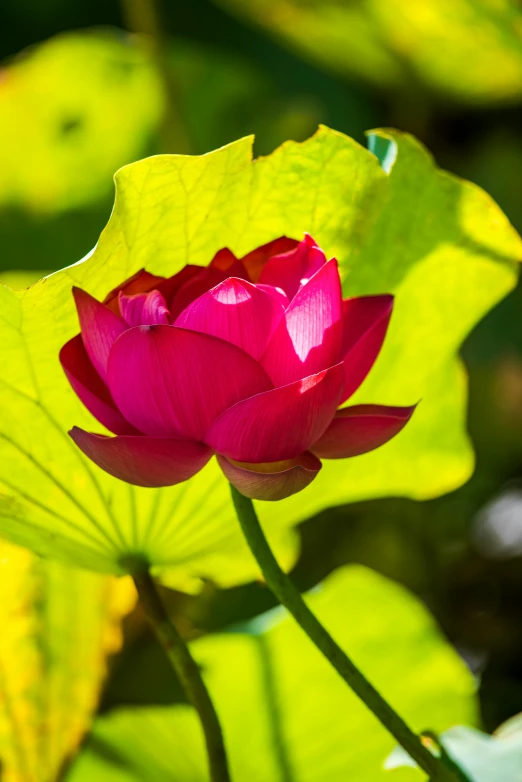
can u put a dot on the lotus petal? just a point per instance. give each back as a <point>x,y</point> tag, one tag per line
<point>226,261</point>
<point>291,270</point>
<point>274,480</point>
<point>90,388</point>
<point>236,311</point>
<point>143,461</point>
<point>100,328</point>
<point>365,323</point>
<point>169,381</point>
<point>207,278</point>
<point>277,293</point>
<point>309,338</point>
<point>359,429</point>
<point>141,282</point>
<point>278,424</point>
<point>170,287</point>
<point>144,309</point>
<point>256,260</point>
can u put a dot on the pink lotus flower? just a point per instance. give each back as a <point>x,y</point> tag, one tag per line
<point>247,359</point>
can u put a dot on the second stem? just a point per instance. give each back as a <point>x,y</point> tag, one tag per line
<point>188,673</point>
<point>289,596</point>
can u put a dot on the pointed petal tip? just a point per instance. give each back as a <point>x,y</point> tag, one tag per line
<point>287,269</point>
<point>309,240</point>
<point>271,481</point>
<point>360,429</point>
<point>372,299</point>
<point>388,301</point>
<point>78,293</point>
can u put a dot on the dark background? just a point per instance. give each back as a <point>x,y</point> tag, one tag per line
<point>461,553</point>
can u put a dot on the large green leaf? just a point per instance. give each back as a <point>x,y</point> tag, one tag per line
<point>20,279</point>
<point>286,715</point>
<point>73,110</point>
<point>467,49</point>
<point>440,244</point>
<point>57,626</point>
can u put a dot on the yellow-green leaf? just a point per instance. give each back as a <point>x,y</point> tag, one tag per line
<point>19,279</point>
<point>440,244</point>
<point>93,100</point>
<point>286,714</point>
<point>58,625</point>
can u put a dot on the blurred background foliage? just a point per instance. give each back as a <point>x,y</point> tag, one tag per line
<point>80,97</point>
<point>59,625</point>
<point>305,727</point>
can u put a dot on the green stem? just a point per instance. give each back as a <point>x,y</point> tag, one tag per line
<point>289,596</point>
<point>188,673</point>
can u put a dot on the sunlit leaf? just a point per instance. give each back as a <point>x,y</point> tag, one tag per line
<point>19,279</point>
<point>485,758</point>
<point>440,244</point>
<point>73,110</point>
<point>467,49</point>
<point>58,625</point>
<point>285,712</point>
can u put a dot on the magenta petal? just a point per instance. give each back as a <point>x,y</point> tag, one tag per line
<point>144,309</point>
<point>90,388</point>
<point>226,261</point>
<point>236,311</point>
<point>365,322</point>
<point>277,293</point>
<point>207,277</point>
<point>361,428</point>
<point>100,328</point>
<point>292,269</point>
<point>170,287</point>
<point>141,282</point>
<point>309,338</point>
<point>278,424</point>
<point>255,261</point>
<point>169,381</point>
<point>143,461</point>
<point>274,480</point>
